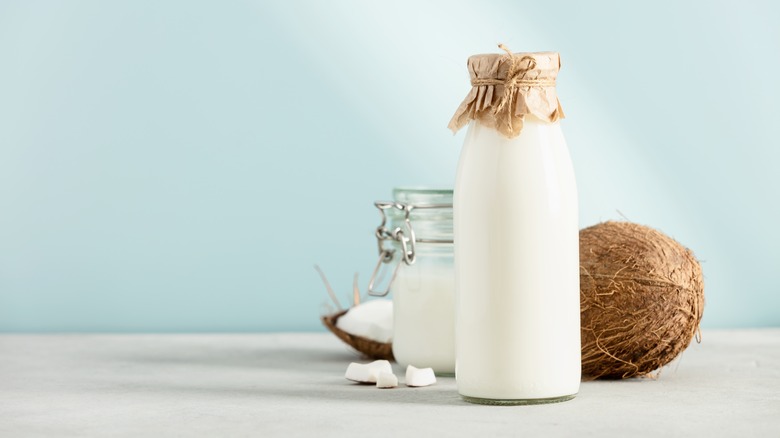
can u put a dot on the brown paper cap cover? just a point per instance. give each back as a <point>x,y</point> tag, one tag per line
<point>505,89</point>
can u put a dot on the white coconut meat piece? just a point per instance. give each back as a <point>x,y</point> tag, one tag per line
<point>386,380</point>
<point>371,320</point>
<point>419,376</point>
<point>367,372</point>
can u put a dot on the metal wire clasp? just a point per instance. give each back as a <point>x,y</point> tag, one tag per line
<point>405,236</point>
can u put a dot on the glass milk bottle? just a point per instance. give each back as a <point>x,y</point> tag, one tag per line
<point>516,237</point>
<point>416,249</point>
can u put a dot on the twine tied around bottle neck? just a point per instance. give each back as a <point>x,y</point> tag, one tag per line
<point>528,81</point>
<point>515,78</point>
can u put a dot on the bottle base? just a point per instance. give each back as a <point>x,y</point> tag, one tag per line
<point>517,402</point>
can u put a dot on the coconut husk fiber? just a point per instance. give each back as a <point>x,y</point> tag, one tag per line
<point>642,299</point>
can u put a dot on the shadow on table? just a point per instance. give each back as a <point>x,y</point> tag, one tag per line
<point>439,395</point>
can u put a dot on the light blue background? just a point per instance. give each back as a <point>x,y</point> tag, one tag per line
<point>180,166</point>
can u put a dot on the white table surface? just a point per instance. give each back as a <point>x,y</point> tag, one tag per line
<point>292,385</point>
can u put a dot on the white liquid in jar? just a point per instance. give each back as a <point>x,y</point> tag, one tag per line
<point>424,317</point>
<point>517,265</point>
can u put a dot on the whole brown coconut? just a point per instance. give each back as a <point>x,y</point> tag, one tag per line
<point>642,298</point>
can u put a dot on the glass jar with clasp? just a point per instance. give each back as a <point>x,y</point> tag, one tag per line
<point>416,251</point>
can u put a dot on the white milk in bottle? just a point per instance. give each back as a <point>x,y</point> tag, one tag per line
<point>516,237</point>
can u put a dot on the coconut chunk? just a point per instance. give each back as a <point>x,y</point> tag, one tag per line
<point>367,372</point>
<point>386,380</point>
<point>419,376</point>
